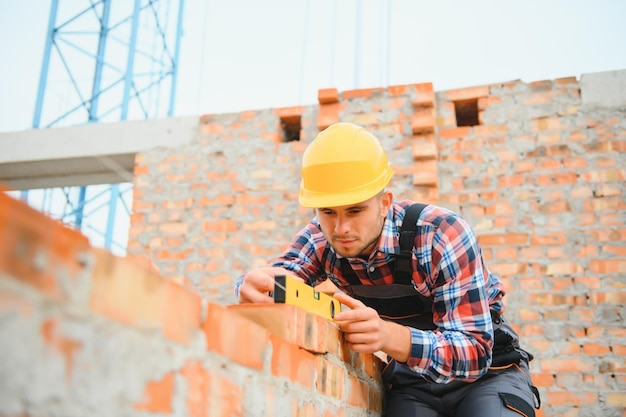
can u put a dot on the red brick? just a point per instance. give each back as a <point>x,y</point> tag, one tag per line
<point>467,93</point>
<point>178,255</point>
<point>174,228</point>
<point>293,363</point>
<point>531,283</point>
<point>197,394</point>
<point>425,172</point>
<point>295,325</point>
<point>604,204</point>
<point>225,225</point>
<point>424,147</point>
<point>504,239</point>
<point>569,398</point>
<point>289,113</point>
<point>423,99</point>
<point>35,248</point>
<point>181,316</point>
<point>127,291</point>
<point>360,93</point>
<point>547,123</point>
<point>229,334</point>
<point>300,409</point>
<point>225,397</point>
<point>543,379</point>
<point>608,266</point>
<point>328,115</point>
<point>573,364</point>
<point>616,399</point>
<point>490,130</point>
<point>613,297</point>
<point>157,397</point>
<point>423,121</point>
<point>596,349</point>
<point>565,81</point>
<point>330,380</point>
<point>209,128</point>
<point>454,133</point>
<point>327,95</point>
<point>512,181</point>
<point>248,115</point>
<point>508,269</point>
<point>358,393</point>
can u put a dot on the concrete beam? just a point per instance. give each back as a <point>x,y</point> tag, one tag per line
<point>603,89</point>
<point>98,153</point>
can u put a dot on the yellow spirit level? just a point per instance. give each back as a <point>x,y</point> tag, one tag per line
<point>288,290</point>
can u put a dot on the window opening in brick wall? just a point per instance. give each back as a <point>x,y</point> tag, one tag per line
<point>466,112</point>
<point>291,127</point>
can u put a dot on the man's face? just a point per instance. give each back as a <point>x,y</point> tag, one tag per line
<point>354,230</point>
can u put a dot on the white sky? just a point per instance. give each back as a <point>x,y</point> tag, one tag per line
<point>251,54</point>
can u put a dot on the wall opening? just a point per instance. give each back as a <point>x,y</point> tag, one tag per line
<point>466,112</point>
<point>291,126</point>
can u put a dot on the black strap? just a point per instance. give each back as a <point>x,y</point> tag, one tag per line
<point>404,270</point>
<point>348,273</point>
<point>517,404</point>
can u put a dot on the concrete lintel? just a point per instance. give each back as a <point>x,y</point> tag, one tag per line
<point>87,154</point>
<point>603,89</point>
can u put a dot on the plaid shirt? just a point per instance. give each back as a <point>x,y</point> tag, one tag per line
<point>452,275</point>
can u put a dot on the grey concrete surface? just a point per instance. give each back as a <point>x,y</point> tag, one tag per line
<point>87,154</point>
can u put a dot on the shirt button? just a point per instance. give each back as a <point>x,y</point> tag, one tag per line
<point>372,269</point>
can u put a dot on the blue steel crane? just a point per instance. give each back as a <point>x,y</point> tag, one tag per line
<point>105,61</point>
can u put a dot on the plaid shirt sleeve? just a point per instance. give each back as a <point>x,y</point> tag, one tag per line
<point>458,281</point>
<point>303,256</point>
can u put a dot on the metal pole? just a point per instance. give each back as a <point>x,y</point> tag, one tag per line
<point>108,236</point>
<point>128,77</point>
<point>80,208</point>
<point>179,35</point>
<point>97,79</point>
<point>43,77</point>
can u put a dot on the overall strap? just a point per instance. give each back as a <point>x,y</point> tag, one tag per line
<point>400,301</point>
<point>404,270</point>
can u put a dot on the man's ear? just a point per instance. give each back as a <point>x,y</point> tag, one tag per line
<point>385,202</point>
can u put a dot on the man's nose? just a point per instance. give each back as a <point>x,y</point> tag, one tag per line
<point>342,225</point>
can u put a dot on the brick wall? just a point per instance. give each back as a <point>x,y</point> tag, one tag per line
<point>539,175</point>
<point>85,333</point>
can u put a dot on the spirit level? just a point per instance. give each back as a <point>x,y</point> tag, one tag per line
<point>289,290</point>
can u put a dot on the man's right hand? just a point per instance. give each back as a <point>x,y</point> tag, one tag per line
<point>257,284</point>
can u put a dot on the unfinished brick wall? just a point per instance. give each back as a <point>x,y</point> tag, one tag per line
<point>85,333</point>
<point>538,175</point>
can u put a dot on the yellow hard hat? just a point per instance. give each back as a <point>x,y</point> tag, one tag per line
<point>345,164</point>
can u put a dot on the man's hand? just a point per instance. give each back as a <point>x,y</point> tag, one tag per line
<point>257,284</point>
<point>366,332</point>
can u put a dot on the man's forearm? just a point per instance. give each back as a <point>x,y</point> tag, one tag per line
<point>397,341</point>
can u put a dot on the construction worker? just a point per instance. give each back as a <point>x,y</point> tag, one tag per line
<point>436,315</point>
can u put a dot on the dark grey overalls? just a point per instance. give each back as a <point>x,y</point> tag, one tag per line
<point>506,390</point>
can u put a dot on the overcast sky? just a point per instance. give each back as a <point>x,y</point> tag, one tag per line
<point>251,54</point>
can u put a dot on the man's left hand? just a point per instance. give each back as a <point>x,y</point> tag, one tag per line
<point>366,332</point>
